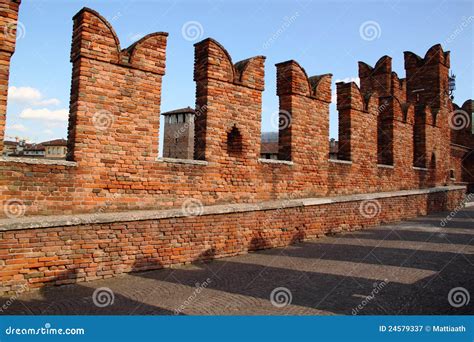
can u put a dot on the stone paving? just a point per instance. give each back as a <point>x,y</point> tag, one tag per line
<point>404,268</point>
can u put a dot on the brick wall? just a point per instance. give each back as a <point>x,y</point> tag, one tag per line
<point>8,25</point>
<point>462,149</point>
<point>114,124</point>
<point>32,258</point>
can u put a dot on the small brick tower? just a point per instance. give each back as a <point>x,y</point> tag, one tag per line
<point>178,139</point>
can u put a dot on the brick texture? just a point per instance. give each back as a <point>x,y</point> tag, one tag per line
<point>63,255</point>
<point>114,125</point>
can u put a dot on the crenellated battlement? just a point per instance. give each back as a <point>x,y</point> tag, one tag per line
<point>115,207</point>
<point>394,132</point>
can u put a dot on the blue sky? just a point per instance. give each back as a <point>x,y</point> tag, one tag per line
<point>323,36</point>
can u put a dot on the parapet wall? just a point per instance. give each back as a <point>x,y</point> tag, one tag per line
<point>390,139</point>
<point>58,251</point>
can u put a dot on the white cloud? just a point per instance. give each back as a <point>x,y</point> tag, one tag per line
<point>30,97</point>
<point>45,114</point>
<point>23,94</point>
<point>17,127</point>
<point>48,102</point>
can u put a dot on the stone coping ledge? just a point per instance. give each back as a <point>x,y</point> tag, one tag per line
<point>275,161</point>
<point>340,161</point>
<point>182,161</point>
<point>34,222</point>
<point>38,161</point>
<point>466,148</point>
<point>420,168</point>
<point>385,166</point>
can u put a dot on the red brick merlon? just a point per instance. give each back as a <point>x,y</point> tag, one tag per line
<point>229,99</point>
<point>106,83</point>
<point>304,105</point>
<point>293,79</point>
<point>212,61</point>
<point>95,38</point>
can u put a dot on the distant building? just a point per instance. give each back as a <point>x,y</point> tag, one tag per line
<point>33,151</point>
<point>269,145</point>
<point>9,147</point>
<point>333,148</point>
<point>178,141</point>
<point>55,149</point>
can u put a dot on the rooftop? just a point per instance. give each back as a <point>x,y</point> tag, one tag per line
<point>186,110</point>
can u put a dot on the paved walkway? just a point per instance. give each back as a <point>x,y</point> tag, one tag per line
<point>406,268</point>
